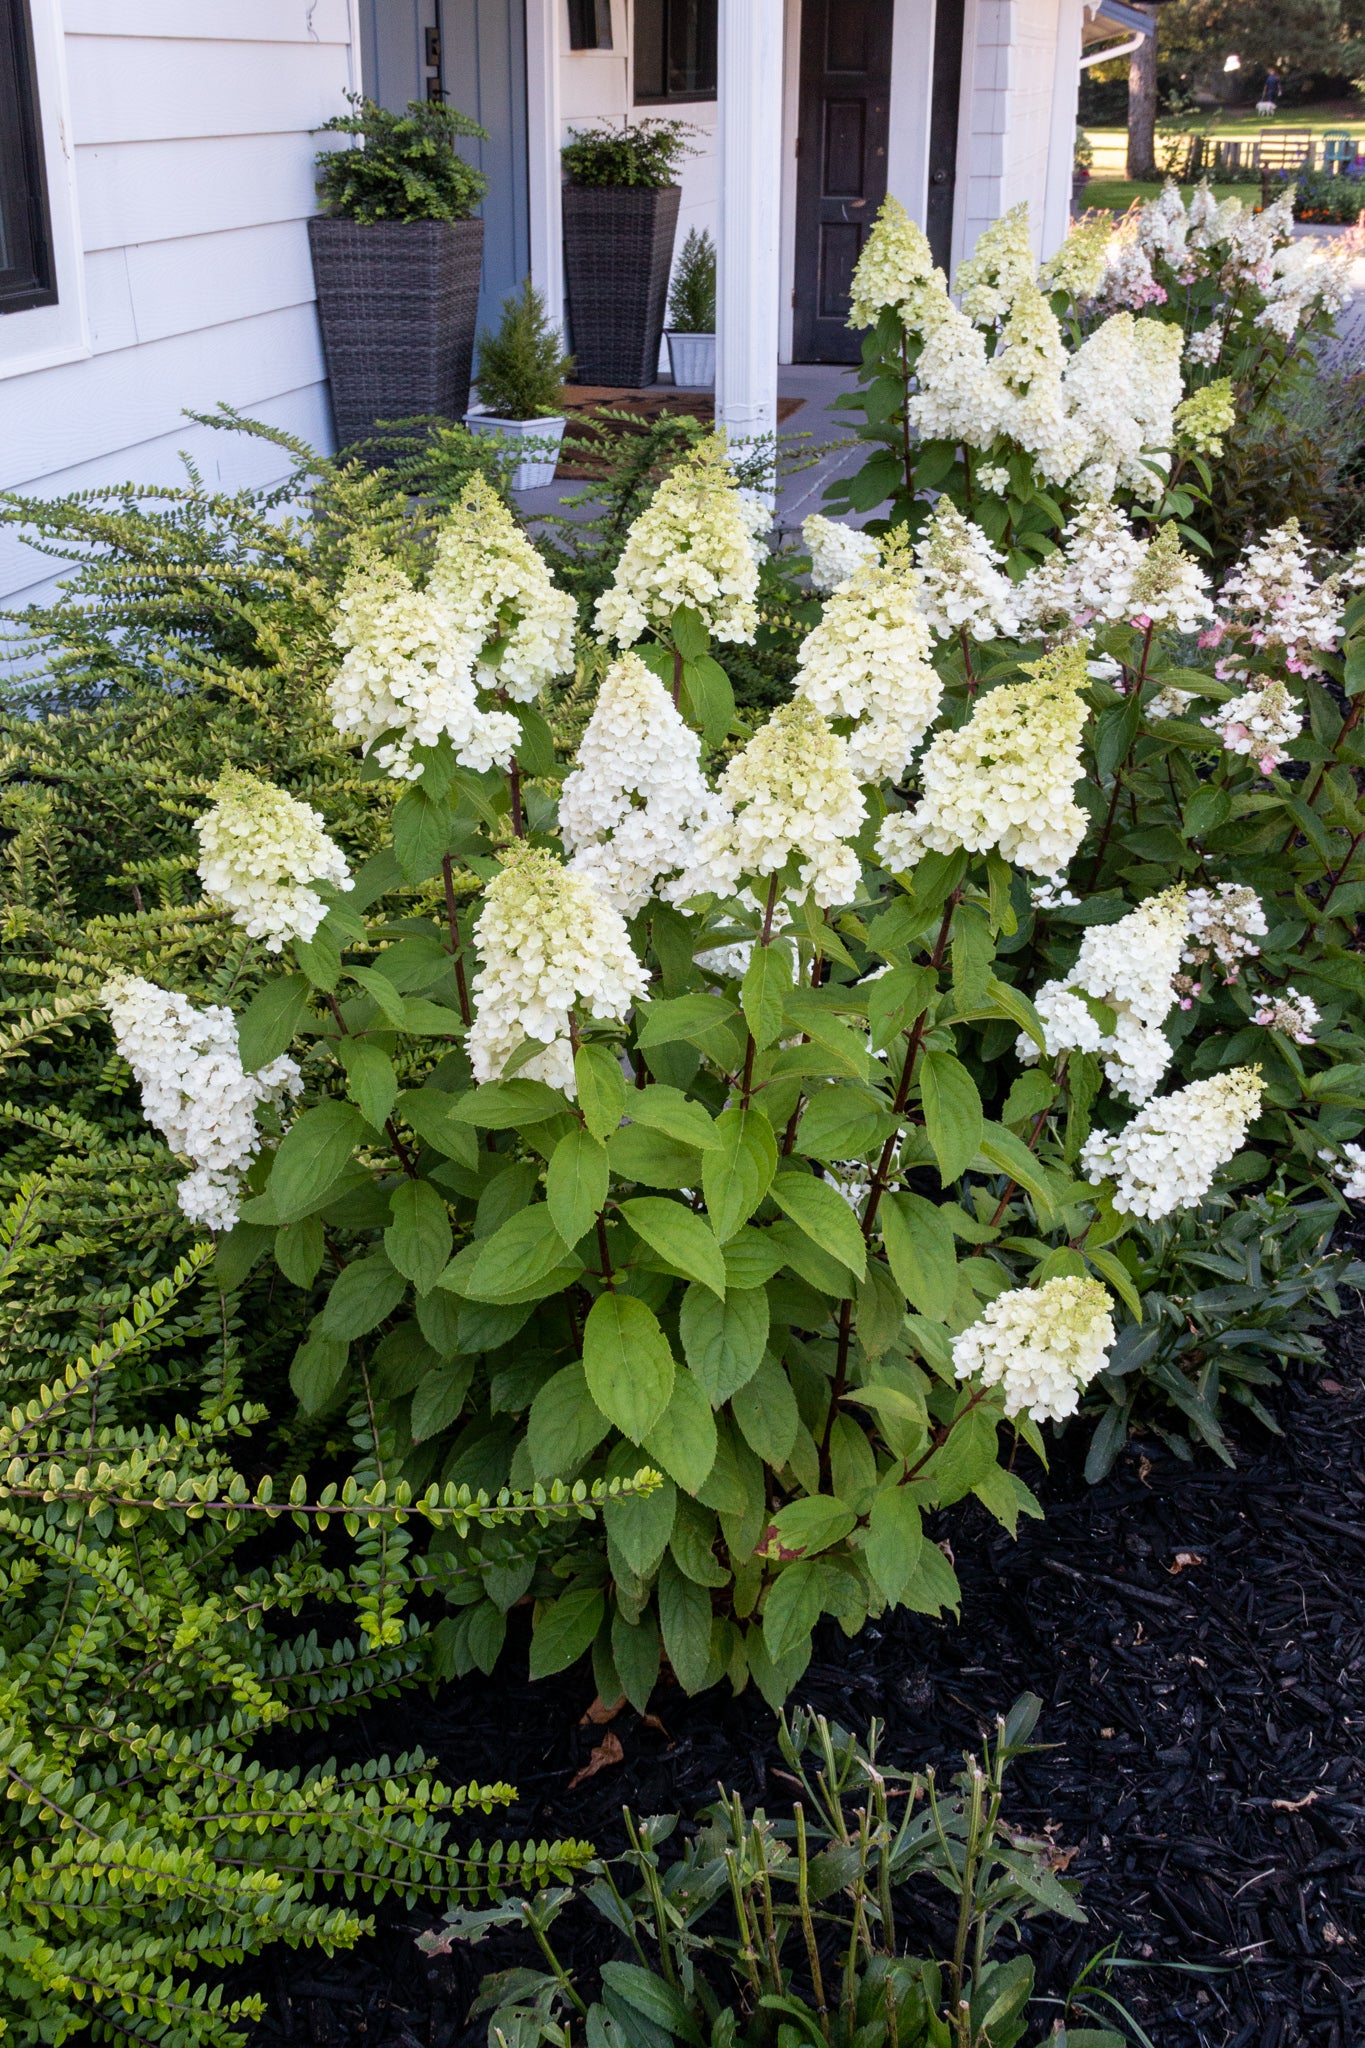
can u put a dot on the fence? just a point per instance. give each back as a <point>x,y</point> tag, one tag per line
<point>1235,157</point>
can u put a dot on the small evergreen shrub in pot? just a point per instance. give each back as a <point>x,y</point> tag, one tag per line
<point>396,259</point>
<point>691,329</point>
<point>620,217</point>
<point>521,386</point>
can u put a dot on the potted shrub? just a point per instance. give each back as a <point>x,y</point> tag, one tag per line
<point>691,330</point>
<point>396,260</point>
<point>620,216</point>
<point>1082,169</point>
<point>521,385</point>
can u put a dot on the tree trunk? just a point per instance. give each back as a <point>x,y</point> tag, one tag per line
<point>1142,106</point>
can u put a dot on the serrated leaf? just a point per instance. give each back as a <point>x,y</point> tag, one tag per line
<point>736,1175</point>
<point>894,1538</point>
<point>438,1399</point>
<point>316,1371</point>
<point>564,1629</point>
<point>680,1237</point>
<point>921,1253</point>
<point>806,1526</point>
<point>418,1237</point>
<point>362,1294</point>
<point>267,1026</point>
<point>767,982</point>
<point>952,1112</point>
<point>421,829</point>
<point>819,1210</point>
<point>298,1249</point>
<point>685,1624</point>
<point>565,1424</point>
<point>666,1109</point>
<point>520,1255</point>
<point>313,1151</point>
<point>429,1112</point>
<point>576,1183</point>
<point>601,1088</point>
<point>766,1411</point>
<point>794,1605</point>
<point>629,1367</point>
<point>371,1080</point>
<point>507,1105</point>
<point>723,1337</point>
<point>683,1441</point>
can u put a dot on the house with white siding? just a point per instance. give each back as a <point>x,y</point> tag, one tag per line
<point>156,175</point>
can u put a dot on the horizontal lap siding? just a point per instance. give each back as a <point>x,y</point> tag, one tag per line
<point>194,149</point>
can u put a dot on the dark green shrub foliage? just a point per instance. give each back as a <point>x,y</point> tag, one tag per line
<point>692,294</point>
<point>645,153</point>
<point>408,167</point>
<point>522,367</point>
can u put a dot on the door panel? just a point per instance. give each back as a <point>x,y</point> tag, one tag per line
<point>841,166</point>
<point>944,105</point>
<point>483,67</point>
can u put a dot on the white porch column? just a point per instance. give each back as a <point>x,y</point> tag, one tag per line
<point>748,268</point>
<point>542,153</point>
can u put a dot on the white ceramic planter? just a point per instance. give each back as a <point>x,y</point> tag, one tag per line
<point>545,435</point>
<point>693,360</point>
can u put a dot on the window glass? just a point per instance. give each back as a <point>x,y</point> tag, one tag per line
<point>26,274</point>
<point>675,50</point>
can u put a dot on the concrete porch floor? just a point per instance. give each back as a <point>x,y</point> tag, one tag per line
<point>813,430</point>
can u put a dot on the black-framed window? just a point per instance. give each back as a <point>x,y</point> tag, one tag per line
<point>675,50</point>
<point>27,277</point>
<point>589,24</point>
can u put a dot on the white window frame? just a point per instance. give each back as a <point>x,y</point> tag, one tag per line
<point>43,335</point>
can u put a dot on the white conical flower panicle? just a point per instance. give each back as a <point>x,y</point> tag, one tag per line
<point>868,661</point>
<point>963,587</point>
<point>1166,1158</point>
<point>1169,588</point>
<point>1122,387</point>
<point>1005,779</point>
<point>1263,722</point>
<point>552,948</point>
<point>1224,923</point>
<point>408,671</point>
<point>1091,576</point>
<point>1078,268</point>
<point>636,797</point>
<point>194,1090</point>
<point>999,268</point>
<point>790,793</point>
<point>895,269</point>
<point>1130,968</point>
<point>692,545</point>
<point>259,849</point>
<point>960,395</point>
<point>1274,597</point>
<point>497,589</point>
<point>1043,1345</point>
<point>835,550</point>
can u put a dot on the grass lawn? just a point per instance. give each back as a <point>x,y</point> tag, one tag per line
<point>1119,193</point>
<point>1336,114</point>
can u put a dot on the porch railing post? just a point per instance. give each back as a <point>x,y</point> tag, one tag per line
<point>748,267</point>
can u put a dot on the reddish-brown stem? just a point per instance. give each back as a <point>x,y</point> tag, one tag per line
<point>764,940</point>
<point>454,948</point>
<point>1103,848</point>
<point>967,660</point>
<point>836,1392</point>
<point>1349,723</point>
<point>608,1276</point>
<point>514,784</point>
<point>1350,856</point>
<point>677,679</point>
<point>405,1159</point>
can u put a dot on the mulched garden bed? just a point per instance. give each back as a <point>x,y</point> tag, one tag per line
<point>1198,1635</point>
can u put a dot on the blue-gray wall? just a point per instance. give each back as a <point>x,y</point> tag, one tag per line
<point>483,67</point>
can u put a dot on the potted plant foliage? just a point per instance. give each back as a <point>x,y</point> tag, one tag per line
<point>691,330</point>
<point>396,260</point>
<point>620,217</point>
<point>521,383</point>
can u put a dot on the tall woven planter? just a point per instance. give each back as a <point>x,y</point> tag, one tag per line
<point>397,303</point>
<point>618,251</point>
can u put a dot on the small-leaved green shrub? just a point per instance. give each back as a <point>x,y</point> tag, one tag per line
<point>692,294</point>
<point>522,367</point>
<point>641,153</point>
<point>407,166</point>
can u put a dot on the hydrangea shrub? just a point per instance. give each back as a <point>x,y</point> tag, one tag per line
<point>798,1113</point>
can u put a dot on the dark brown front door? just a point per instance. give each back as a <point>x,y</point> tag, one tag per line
<point>841,164</point>
<point>944,102</point>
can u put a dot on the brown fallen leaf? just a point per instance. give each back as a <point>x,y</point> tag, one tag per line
<point>1330,1387</point>
<point>1184,1558</point>
<point>599,1713</point>
<point>1295,1805</point>
<point>608,1751</point>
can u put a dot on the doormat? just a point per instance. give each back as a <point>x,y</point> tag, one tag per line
<point>586,405</point>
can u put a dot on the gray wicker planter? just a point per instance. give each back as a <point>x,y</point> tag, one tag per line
<point>618,251</point>
<point>397,303</point>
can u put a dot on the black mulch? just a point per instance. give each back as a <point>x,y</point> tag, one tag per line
<point>1209,1723</point>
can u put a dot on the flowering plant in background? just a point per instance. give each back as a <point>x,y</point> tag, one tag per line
<point>797,1107</point>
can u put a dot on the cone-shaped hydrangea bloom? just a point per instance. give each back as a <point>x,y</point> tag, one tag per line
<point>690,546</point>
<point>998,269</point>
<point>896,268</point>
<point>835,550</point>
<point>1005,779</point>
<point>499,592</point>
<point>1166,1158</point>
<point>1122,388</point>
<point>790,792</point>
<point>1204,418</point>
<point>1296,1016</point>
<point>631,807</point>
<point>960,395</point>
<point>1163,223</point>
<point>1169,588</point>
<point>1130,968</point>
<point>409,670</point>
<point>1224,924</point>
<point>259,849</point>
<point>1030,364</point>
<point>1305,276</point>
<point>1170,703</point>
<point>1079,266</point>
<point>1273,595</point>
<point>1199,424</point>
<point>1263,722</point>
<point>1089,577</point>
<point>867,661</point>
<point>1129,282</point>
<point>194,1090</point>
<point>962,582</point>
<point>1043,1345</point>
<point>551,946</point>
